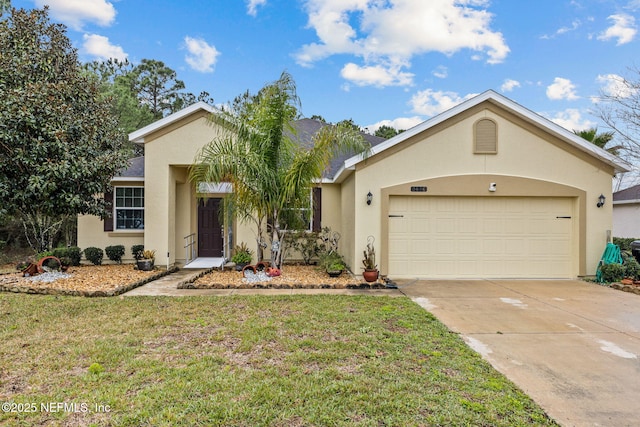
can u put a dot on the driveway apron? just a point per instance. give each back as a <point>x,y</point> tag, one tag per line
<point>572,346</point>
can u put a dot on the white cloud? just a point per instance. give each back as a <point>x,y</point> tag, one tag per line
<point>75,13</point>
<point>571,119</point>
<point>376,75</point>
<point>401,123</point>
<point>623,29</point>
<point>509,85</point>
<point>101,48</point>
<point>430,103</point>
<point>441,72</point>
<point>202,56</point>
<point>562,89</point>
<point>616,86</point>
<point>391,33</point>
<point>252,6</point>
<point>563,30</point>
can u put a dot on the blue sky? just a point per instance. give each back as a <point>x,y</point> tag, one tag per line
<point>395,62</point>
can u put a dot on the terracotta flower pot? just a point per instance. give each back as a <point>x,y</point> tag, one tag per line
<point>370,275</point>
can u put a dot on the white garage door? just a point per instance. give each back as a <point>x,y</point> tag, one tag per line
<point>480,237</point>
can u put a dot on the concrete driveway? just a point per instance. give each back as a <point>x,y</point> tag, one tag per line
<point>572,346</point>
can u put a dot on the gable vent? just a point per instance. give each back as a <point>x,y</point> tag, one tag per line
<point>486,137</point>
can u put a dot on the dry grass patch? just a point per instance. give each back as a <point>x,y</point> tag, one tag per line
<point>246,361</point>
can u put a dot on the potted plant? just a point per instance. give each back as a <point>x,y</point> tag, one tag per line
<point>336,269</point>
<point>370,273</point>
<point>242,256</point>
<point>332,263</point>
<point>146,262</point>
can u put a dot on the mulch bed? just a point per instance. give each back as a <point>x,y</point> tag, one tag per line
<point>88,281</point>
<point>112,280</point>
<point>293,277</point>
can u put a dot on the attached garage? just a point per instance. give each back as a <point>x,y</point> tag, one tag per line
<point>487,237</point>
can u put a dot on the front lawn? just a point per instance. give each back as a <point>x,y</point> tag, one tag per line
<point>244,361</point>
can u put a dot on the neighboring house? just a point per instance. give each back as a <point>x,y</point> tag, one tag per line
<point>487,189</point>
<point>626,212</point>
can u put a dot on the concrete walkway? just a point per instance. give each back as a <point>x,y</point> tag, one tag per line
<point>168,286</point>
<point>572,346</point>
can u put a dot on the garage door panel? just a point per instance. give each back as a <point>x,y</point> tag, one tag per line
<point>467,237</point>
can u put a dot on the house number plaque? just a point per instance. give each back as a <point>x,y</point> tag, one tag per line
<point>418,189</point>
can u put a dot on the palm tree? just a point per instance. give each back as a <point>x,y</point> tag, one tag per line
<point>599,139</point>
<point>270,172</point>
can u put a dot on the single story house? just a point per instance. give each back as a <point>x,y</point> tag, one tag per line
<point>626,212</point>
<point>487,189</point>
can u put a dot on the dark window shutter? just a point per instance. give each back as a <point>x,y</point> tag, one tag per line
<point>108,220</point>
<point>317,209</point>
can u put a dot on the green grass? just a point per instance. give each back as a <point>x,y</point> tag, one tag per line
<point>246,361</point>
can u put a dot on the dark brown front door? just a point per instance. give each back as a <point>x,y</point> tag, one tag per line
<point>209,229</point>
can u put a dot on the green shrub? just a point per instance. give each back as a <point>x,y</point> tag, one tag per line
<point>115,253</point>
<point>331,261</point>
<point>624,242</point>
<point>306,244</point>
<point>73,253</point>
<point>137,251</point>
<point>94,255</point>
<point>612,272</point>
<point>631,267</point>
<point>43,254</point>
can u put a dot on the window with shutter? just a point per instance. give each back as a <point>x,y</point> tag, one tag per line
<point>485,137</point>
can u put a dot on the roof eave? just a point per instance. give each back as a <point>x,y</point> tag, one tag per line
<point>138,136</point>
<point>618,164</point>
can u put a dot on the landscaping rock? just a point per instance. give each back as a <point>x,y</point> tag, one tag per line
<point>89,281</point>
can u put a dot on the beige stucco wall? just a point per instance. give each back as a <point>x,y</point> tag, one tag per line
<point>626,220</point>
<point>447,151</point>
<point>348,223</point>
<point>171,203</point>
<point>91,231</point>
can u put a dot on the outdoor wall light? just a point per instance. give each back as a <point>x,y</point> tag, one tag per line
<point>601,200</point>
<point>369,198</point>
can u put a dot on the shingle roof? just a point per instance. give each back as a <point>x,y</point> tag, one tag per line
<point>631,193</point>
<point>307,128</point>
<point>134,170</point>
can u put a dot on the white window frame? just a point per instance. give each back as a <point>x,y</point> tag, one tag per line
<point>309,228</point>
<point>116,208</point>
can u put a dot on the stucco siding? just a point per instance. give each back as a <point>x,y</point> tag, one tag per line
<point>447,151</point>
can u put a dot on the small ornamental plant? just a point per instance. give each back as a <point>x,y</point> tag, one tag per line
<point>115,253</point>
<point>94,255</point>
<point>137,251</point>
<point>369,259</point>
<point>242,254</point>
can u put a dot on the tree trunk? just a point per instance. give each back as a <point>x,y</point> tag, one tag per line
<point>40,229</point>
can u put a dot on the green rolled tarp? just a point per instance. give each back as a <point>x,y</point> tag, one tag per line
<point>611,255</point>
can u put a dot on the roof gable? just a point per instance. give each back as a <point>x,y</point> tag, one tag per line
<point>505,103</point>
<point>139,135</point>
